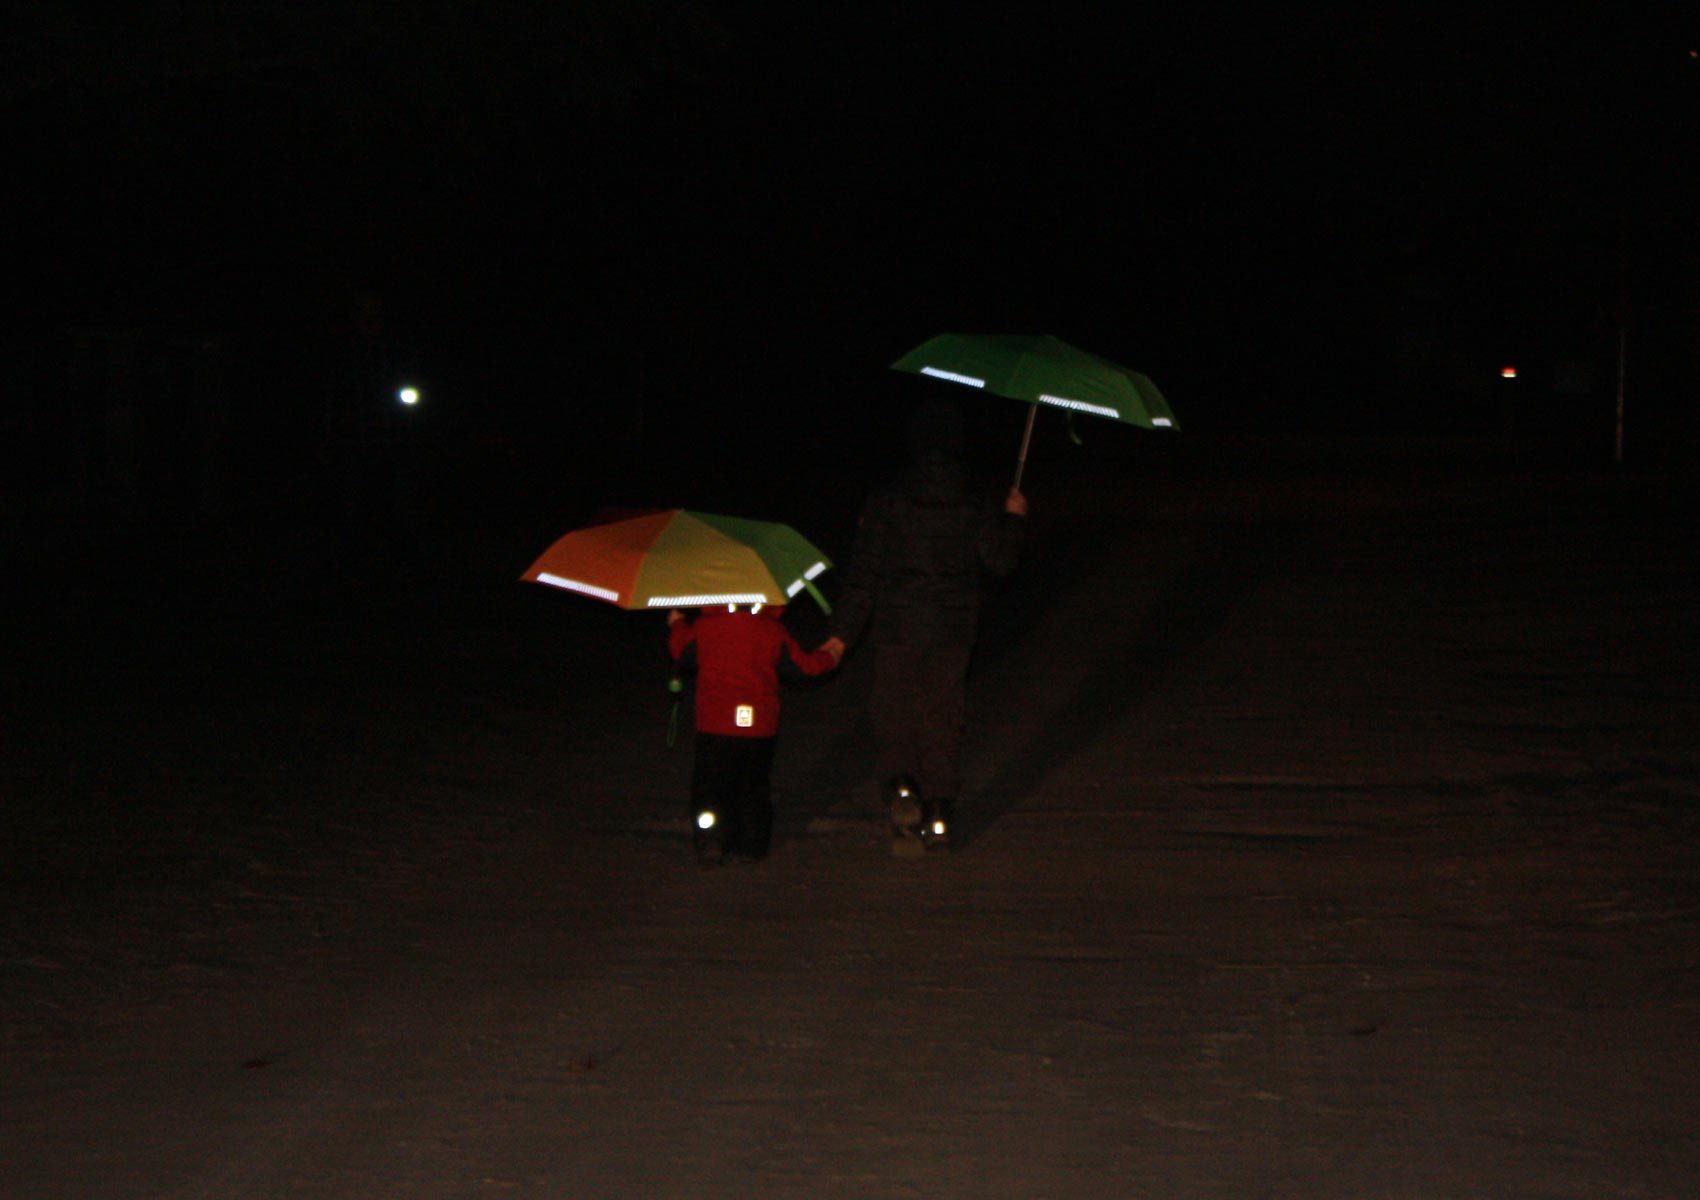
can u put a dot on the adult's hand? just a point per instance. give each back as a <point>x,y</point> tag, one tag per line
<point>835,647</point>
<point>1015,504</point>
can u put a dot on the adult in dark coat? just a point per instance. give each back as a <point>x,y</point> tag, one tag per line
<point>922,553</point>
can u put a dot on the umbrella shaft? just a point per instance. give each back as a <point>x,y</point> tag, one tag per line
<point>1026,439</point>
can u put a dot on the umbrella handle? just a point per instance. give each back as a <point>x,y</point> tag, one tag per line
<point>819,599</point>
<point>1026,438</point>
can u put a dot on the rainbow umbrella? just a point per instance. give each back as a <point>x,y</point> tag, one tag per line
<point>683,559</point>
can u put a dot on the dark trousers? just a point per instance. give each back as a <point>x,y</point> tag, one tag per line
<point>920,703</point>
<point>731,779</point>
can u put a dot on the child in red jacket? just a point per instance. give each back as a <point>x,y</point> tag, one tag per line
<point>738,653</point>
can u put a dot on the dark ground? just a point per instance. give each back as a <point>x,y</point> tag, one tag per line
<point>1333,832</point>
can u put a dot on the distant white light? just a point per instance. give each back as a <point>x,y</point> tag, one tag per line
<point>705,820</point>
<point>939,373</point>
<point>1097,410</point>
<point>705,601</point>
<point>1161,422</point>
<point>938,828</point>
<point>573,585</point>
<point>408,395</point>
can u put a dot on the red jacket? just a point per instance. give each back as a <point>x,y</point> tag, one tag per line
<point>738,656</point>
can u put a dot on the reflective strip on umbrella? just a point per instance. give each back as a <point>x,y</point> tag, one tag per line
<point>573,585</point>
<point>953,377</point>
<point>803,581</point>
<point>704,601</point>
<point>1097,410</point>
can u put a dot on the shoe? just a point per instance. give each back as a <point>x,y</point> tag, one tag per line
<point>903,801</point>
<point>935,826</point>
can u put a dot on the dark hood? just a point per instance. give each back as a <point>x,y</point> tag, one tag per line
<point>935,480</point>
<point>936,429</point>
<point>936,472</point>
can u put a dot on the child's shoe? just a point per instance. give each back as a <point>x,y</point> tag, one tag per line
<point>711,851</point>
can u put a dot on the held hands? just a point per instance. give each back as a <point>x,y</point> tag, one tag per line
<point>1015,504</point>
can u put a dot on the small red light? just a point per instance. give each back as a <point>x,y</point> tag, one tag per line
<point>1508,372</point>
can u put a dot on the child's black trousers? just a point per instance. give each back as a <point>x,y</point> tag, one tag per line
<point>731,779</point>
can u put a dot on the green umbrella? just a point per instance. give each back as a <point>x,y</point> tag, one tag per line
<point>1040,369</point>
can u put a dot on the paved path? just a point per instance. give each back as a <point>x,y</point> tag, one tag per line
<point>1306,859</point>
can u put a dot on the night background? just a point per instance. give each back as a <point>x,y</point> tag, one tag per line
<point>636,248</point>
<point>1330,810</point>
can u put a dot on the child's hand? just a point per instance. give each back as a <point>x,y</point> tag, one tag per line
<point>673,616</point>
<point>835,647</point>
<point>1015,504</point>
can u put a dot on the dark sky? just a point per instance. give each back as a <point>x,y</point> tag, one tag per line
<point>730,203</point>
